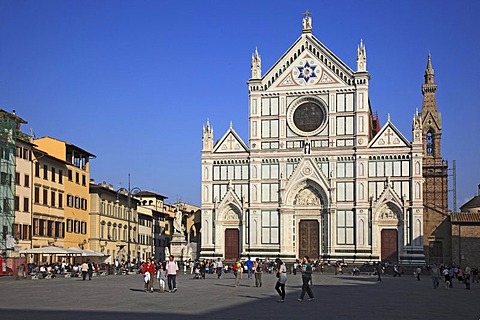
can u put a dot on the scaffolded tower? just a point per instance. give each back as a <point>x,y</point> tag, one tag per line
<point>8,135</point>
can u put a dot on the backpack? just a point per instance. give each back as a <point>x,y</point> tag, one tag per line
<point>235,267</point>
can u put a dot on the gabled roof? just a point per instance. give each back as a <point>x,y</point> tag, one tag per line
<point>470,204</point>
<point>230,142</point>
<point>389,136</point>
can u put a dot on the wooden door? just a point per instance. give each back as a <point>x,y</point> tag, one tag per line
<point>309,244</point>
<point>389,245</point>
<point>232,248</point>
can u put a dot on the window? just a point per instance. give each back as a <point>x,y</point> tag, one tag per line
<point>344,191</point>
<point>37,195</point>
<point>37,169</point>
<point>77,177</point>
<point>69,200</point>
<point>26,182</point>
<point>344,125</point>
<point>269,128</point>
<point>36,227</point>
<point>77,202</point>
<point>269,171</point>
<point>76,226</point>
<point>102,230</point>
<point>83,227</point>
<point>27,231</point>
<point>69,225</point>
<point>429,141</point>
<point>19,152</point>
<point>17,203</point>
<point>53,174</point>
<point>269,192</point>
<point>17,178</point>
<point>45,172</point>
<point>344,169</point>
<point>45,196</point>
<point>60,176</point>
<point>270,227</point>
<point>70,175</point>
<point>269,106</point>
<point>84,204</point>
<point>26,204</point>
<point>26,154</point>
<point>52,200</point>
<point>50,228</point>
<point>84,180</point>
<point>345,227</point>
<point>60,200</point>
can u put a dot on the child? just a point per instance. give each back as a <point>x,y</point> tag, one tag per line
<point>162,277</point>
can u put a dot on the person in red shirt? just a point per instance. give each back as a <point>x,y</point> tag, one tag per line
<point>148,272</point>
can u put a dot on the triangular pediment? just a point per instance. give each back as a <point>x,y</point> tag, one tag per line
<point>306,170</point>
<point>389,136</point>
<point>308,64</point>
<point>230,142</point>
<point>429,121</point>
<point>230,207</point>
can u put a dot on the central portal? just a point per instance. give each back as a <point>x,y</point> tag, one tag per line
<point>232,251</point>
<point>309,243</point>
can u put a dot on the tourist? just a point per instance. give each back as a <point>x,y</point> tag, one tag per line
<point>379,270</point>
<point>90,270</point>
<point>172,270</point>
<point>162,277</point>
<point>249,267</point>
<point>219,266</point>
<point>282,279</point>
<point>148,272</point>
<point>418,272</point>
<point>435,274</point>
<point>258,270</point>
<point>306,270</point>
<point>467,276</point>
<point>237,271</point>
<point>474,274</point>
<point>84,270</point>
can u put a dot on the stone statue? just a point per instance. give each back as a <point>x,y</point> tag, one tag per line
<point>177,222</point>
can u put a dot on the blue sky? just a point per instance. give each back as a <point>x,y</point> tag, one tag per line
<point>134,81</point>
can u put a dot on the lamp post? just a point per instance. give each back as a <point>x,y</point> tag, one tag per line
<point>130,191</point>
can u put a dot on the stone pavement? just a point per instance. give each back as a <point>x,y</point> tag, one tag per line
<point>336,297</point>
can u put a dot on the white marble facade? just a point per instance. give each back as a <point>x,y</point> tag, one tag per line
<point>317,177</point>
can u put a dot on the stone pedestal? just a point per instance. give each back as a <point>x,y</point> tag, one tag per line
<point>178,247</point>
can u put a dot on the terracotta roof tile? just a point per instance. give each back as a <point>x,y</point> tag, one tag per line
<point>465,217</point>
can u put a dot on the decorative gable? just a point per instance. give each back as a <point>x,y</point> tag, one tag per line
<point>389,136</point>
<point>308,63</point>
<point>230,142</point>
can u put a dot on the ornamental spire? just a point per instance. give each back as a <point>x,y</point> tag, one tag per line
<point>361,57</point>
<point>256,65</point>
<point>307,22</point>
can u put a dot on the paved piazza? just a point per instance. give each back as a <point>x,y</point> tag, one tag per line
<point>337,297</point>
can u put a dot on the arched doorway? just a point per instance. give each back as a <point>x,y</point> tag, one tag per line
<point>389,242</point>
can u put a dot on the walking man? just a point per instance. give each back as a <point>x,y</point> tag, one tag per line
<point>435,274</point>
<point>84,270</point>
<point>219,265</point>
<point>249,265</point>
<point>172,270</point>
<point>306,270</point>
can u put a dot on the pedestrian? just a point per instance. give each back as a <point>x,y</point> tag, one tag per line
<point>446,277</point>
<point>249,267</point>
<point>84,270</point>
<point>379,270</point>
<point>306,270</point>
<point>418,272</point>
<point>396,270</point>
<point>282,279</point>
<point>467,276</point>
<point>475,274</point>
<point>162,277</point>
<point>237,271</point>
<point>435,275</point>
<point>90,270</point>
<point>148,272</point>
<point>295,266</point>
<point>172,270</point>
<point>219,265</point>
<point>258,270</point>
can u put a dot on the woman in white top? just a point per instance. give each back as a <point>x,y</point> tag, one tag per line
<point>282,279</point>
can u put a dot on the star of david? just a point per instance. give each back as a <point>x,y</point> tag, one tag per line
<point>307,72</point>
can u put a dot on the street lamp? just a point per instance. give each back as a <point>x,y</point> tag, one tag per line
<point>130,191</point>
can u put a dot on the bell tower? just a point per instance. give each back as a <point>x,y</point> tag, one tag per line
<point>437,234</point>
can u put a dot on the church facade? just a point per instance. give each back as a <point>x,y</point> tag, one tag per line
<point>319,175</point>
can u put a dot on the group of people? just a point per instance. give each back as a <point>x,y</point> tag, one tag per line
<point>165,272</point>
<point>465,275</point>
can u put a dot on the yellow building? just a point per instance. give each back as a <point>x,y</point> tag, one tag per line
<point>48,204</point>
<point>110,218</point>
<point>76,183</point>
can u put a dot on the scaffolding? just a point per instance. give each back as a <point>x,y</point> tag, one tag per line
<point>8,135</point>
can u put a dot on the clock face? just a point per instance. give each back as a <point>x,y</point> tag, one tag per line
<point>307,116</point>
